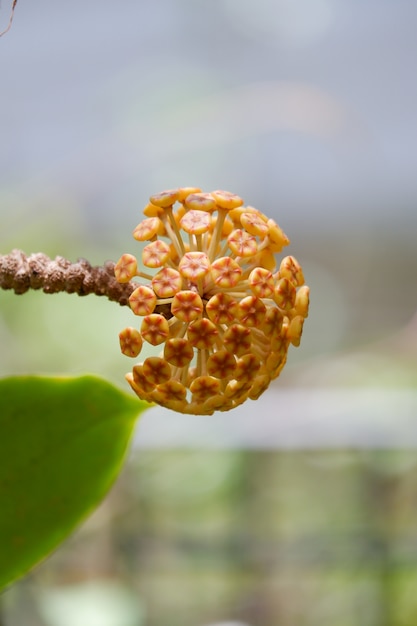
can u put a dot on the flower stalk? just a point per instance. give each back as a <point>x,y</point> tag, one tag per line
<point>20,273</point>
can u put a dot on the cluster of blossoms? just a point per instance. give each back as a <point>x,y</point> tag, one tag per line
<point>223,312</point>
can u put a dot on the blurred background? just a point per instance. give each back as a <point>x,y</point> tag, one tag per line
<point>301,509</point>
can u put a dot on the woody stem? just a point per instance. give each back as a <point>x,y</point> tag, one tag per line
<point>20,273</point>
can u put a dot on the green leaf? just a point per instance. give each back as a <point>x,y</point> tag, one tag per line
<point>62,444</point>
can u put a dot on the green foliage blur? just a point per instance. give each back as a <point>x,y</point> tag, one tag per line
<point>192,537</point>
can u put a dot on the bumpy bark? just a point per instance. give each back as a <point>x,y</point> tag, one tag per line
<point>20,273</point>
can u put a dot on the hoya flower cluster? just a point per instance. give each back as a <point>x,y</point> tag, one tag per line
<point>216,305</point>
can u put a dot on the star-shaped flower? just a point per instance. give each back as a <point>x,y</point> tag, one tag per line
<point>219,307</point>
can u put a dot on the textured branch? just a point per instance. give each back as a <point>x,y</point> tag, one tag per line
<point>9,25</point>
<point>37,271</point>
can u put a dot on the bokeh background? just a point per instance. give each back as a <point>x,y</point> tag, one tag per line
<point>299,509</point>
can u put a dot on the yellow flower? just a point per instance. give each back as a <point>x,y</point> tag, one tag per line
<point>219,307</point>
